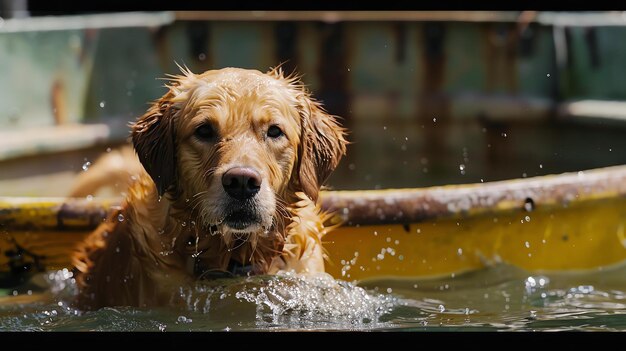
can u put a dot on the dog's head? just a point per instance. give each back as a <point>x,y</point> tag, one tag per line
<point>235,145</point>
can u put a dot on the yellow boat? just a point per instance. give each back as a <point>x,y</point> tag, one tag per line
<point>566,222</point>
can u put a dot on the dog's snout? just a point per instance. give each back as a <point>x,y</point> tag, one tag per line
<point>241,183</point>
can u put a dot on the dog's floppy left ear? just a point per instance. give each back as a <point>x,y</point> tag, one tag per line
<point>322,145</point>
<point>153,137</point>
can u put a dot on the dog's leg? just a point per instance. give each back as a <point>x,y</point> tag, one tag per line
<point>109,270</point>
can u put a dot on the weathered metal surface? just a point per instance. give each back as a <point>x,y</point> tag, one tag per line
<point>583,236</point>
<point>368,67</point>
<point>53,213</point>
<point>113,60</point>
<point>564,222</point>
<point>368,207</point>
<point>371,207</point>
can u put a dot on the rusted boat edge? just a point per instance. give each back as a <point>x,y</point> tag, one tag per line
<point>397,206</point>
<point>364,207</point>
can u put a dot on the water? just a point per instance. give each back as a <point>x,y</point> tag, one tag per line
<point>499,298</point>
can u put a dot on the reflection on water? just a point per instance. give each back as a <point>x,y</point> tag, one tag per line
<point>497,298</point>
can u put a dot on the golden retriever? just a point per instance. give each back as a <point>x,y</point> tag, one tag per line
<point>234,160</point>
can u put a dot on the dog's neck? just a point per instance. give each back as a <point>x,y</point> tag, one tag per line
<point>182,239</point>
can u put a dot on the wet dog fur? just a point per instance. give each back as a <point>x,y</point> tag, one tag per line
<point>182,221</point>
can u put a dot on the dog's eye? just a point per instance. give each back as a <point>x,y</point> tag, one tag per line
<point>274,132</point>
<point>205,132</point>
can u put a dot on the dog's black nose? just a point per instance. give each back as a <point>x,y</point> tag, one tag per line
<point>241,183</point>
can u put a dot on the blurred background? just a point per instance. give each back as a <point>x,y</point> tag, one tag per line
<point>430,98</point>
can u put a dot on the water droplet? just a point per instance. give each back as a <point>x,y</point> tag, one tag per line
<point>202,57</point>
<point>434,120</point>
<point>527,218</point>
<point>527,244</point>
<point>108,149</point>
<point>89,197</point>
<point>348,70</point>
<point>183,319</point>
<point>86,165</point>
<point>461,167</point>
<point>503,135</point>
<point>548,75</point>
<point>120,217</point>
<point>102,103</point>
<point>117,249</point>
<point>459,251</point>
<point>540,165</point>
<point>384,127</point>
<point>389,290</point>
<point>441,308</point>
<point>481,180</point>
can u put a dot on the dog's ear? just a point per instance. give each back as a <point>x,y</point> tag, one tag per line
<point>153,137</point>
<point>322,144</point>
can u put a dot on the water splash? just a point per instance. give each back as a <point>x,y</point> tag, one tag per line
<point>291,300</point>
<point>500,297</point>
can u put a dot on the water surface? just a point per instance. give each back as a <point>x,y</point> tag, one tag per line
<point>498,298</point>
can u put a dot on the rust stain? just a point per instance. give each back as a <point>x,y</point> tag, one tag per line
<point>161,45</point>
<point>500,43</point>
<point>286,37</point>
<point>332,70</point>
<point>434,104</point>
<point>400,36</point>
<point>58,101</point>
<point>501,46</point>
<point>199,36</point>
